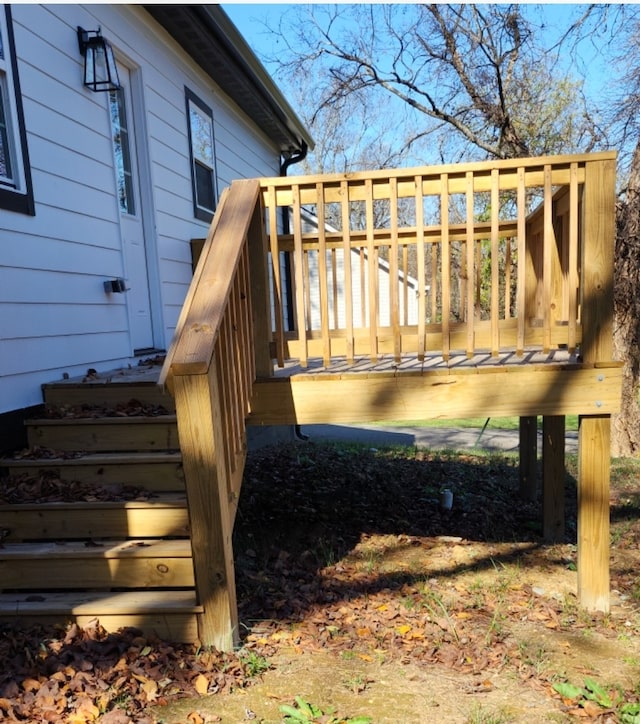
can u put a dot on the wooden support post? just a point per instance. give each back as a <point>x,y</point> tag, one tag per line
<point>553,478</point>
<point>597,346</point>
<point>528,457</point>
<point>593,512</point>
<point>202,445</point>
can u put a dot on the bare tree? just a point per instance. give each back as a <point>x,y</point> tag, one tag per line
<point>462,79</point>
<point>474,70</point>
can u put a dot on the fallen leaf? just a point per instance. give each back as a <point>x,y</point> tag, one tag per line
<point>201,684</point>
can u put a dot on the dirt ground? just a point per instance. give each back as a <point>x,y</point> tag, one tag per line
<point>361,599</point>
<point>364,598</point>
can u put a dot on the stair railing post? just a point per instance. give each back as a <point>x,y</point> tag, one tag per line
<point>200,430</point>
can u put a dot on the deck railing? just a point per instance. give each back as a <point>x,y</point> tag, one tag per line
<point>468,258</point>
<point>210,368</point>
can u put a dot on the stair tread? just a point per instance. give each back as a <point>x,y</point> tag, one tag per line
<point>105,420</point>
<point>99,603</point>
<point>161,500</point>
<point>100,458</point>
<point>139,548</point>
<point>123,377</point>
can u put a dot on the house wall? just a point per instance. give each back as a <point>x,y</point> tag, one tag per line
<point>55,316</point>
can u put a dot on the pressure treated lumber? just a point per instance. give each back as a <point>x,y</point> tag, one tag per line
<point>170,614</point>
<point>126,564</point>
<point>594,449</point>
<point>167,516</point>
<point>534,176</point>
<point>497,392</point>
<point>200,321</point>
<point>528,463</point>
<point>202,444</point>
<point>105,433</point>
<point>553,478</point>
<point>593,512</point>
<point>109,392</point>
<point>156,472</point>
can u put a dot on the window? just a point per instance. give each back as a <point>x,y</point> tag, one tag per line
<point>121,151</point>
<point>16,193</point>
<point>202,156</point>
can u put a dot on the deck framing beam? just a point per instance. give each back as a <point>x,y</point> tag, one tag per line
<point>497,391</point>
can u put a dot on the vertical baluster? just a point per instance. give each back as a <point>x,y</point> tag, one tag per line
<point>405,286</point>
<point>335,289</point>
<point>522,262</point>
<point>348,281</point>
<point>237,372</point>
<point>276,275</point>
<point>322,273</point>
<point>245,330</point>
<point>446,265</point>
<point>478,285</point>
<point>434,282</point>
<point>224,367</point>
<point>298,256</point>
<point>248,345</point>
<point>308,316</point>
<point>364,309</point>
<point>372,268</point>
<point>573,256</point>
<point>507,277</point>
<point>471,276</point>
<point>495,262</point>
<point>548,251</point>
<point>422,307</point>
<point>394,276</point>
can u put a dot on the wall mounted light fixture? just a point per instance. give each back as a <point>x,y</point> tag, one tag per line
<point>100,71</point>
<point>115,286</point>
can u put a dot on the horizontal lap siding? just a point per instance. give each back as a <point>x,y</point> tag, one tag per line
<point>55,316</point>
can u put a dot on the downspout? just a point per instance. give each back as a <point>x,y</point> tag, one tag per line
<point>295,157</point>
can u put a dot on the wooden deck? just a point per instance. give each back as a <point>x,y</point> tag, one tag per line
<point>553,384</point>
<point>378,294</point>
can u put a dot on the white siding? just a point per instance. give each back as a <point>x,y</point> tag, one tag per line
<point>54,314</point>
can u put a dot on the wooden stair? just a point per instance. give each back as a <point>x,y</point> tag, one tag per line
<point>121,556</point>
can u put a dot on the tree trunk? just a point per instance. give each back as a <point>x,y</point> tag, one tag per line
<point>626,336</point>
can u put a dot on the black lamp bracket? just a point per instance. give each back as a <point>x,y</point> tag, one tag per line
<point>84,37</point>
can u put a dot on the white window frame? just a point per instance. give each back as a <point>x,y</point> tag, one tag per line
<point>196,105</point>
<point>16,192</point>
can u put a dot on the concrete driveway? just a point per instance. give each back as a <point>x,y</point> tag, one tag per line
<point>427,437</point>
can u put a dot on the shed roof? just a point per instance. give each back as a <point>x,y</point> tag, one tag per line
<point>213,41</point>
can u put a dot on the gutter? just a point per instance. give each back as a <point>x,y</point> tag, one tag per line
<point>238,48</point>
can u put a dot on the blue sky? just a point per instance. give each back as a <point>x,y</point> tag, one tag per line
<point>249,19</point>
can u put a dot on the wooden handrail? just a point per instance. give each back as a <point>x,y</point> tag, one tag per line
<point>199,323</point>
<point>211,368</point>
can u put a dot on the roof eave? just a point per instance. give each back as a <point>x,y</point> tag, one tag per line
<point>207,34</point>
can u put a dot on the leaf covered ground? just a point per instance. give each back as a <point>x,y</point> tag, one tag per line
<point>358,594</point>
